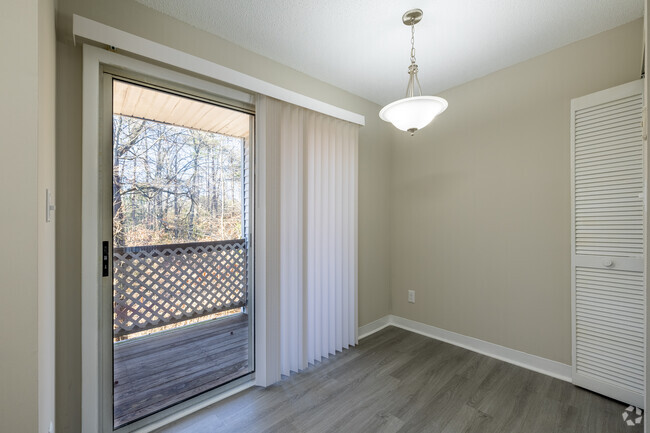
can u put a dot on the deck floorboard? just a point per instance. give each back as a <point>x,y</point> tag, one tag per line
<point>159,370</point>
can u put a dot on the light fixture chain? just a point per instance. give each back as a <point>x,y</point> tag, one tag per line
<point>412,42</point>
<point>413,69</point>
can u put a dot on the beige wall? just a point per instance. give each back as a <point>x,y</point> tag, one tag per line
<point>68,238</point>
<point>27,260</point>
<point>46,230</point>
<point>480,200</point>
<point>18,168</point>
<point>374,152</point>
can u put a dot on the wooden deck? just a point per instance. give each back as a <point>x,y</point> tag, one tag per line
<point>159,370</point>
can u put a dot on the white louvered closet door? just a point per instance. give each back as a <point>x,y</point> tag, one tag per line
<point>608,281</point>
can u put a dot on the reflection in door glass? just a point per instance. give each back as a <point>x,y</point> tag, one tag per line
<point>180,249</point>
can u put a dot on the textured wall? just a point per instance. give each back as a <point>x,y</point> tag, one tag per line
<point>480,200</point>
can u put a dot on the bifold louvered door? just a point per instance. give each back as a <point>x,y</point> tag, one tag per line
<point>608,208</point>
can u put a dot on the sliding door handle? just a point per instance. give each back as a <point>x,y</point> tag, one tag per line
<point>105,259</point>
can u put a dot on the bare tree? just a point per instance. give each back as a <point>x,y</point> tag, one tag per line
<point>174,184</point>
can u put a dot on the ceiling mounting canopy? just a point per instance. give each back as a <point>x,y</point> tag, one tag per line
<point>412,17</point>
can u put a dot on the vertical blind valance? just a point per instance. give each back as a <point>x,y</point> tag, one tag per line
<point>317,209</point>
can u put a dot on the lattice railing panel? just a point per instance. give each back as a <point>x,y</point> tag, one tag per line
<point>157,285</point>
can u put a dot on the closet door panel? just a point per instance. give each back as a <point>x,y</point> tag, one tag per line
<point>608,213</point>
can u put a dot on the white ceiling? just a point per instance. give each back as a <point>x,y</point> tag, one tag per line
<point>363,47</point>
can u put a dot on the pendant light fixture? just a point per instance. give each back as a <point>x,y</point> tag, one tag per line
<point>413,112</point>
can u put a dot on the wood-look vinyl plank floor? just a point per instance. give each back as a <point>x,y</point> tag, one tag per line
<point>396,381</point>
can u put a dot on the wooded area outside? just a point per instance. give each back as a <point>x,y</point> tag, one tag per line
<point>173,184</point>
<point>178,194</point>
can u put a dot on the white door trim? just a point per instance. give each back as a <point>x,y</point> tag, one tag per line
<point>90,239</point>
<point>93,60</point>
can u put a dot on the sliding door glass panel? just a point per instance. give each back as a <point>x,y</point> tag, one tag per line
<point>180,249</point>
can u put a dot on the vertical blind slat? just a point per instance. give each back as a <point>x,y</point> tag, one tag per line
<point>318,241</point>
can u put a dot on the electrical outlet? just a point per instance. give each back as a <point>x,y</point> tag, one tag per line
<point>51,429</point>
<point>412,296</point>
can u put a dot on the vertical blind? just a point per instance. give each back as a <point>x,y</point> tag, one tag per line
<point>317,206</point>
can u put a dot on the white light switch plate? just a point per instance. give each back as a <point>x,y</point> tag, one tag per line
<point>49,206</point>
<point>412,296</point>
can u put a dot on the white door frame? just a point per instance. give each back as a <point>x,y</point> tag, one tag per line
<point>94,419</point>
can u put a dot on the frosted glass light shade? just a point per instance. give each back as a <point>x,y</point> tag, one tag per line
<point>411,114</point>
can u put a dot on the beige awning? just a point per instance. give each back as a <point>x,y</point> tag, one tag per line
<point>144,103</point>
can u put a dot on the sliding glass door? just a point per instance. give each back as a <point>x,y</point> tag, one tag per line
<point>178,259</point>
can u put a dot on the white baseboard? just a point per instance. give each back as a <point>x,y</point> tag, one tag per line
<point>373,327</point>
<point>522,359</point>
